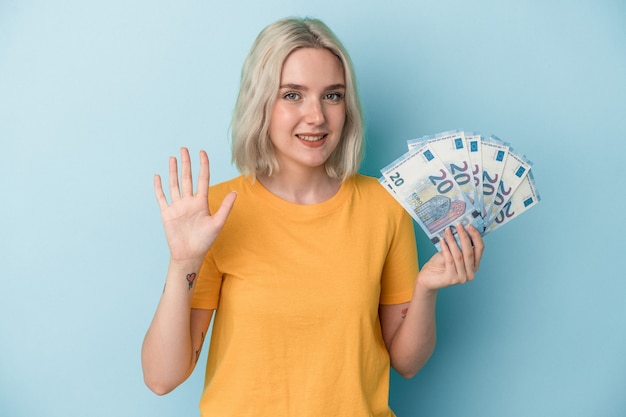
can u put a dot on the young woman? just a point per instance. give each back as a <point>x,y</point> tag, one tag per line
<point>310,268</point>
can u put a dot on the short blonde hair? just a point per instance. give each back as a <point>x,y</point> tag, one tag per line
<point>253,152</point>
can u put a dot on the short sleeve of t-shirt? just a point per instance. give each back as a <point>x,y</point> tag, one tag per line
<point>207,291</point>
<point>401,266</point>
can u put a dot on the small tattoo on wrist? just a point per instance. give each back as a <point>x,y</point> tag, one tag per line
<point>190,279</point>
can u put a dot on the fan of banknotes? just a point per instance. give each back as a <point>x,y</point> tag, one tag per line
<point>459,177</point>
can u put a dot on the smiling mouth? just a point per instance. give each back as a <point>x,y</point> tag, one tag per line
<point>311,138</point>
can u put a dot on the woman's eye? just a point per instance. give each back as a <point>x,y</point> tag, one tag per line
<point>291,96</point>
<point>334,96</point>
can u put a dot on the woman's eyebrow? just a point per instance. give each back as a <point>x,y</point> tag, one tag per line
<point>294,86</point>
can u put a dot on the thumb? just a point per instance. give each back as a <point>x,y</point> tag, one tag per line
<point>227,204</point>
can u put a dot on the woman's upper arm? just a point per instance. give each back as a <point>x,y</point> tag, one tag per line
<point>391,316</point>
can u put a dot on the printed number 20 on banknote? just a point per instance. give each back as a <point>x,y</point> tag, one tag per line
<point>426,189</point>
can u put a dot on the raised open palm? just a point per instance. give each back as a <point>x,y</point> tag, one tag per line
<point>190,229</point>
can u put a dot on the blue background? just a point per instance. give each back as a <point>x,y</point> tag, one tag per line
<point>94,96</point>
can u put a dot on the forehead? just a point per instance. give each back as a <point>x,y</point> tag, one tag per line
<point>312,65</point>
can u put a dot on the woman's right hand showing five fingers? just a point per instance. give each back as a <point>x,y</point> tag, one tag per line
<point>175,335</point>
<point>190,229</point>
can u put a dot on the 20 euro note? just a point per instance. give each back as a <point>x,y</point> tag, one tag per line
<point>495,153</point>
<point>451,149</point>
<point>420,182</point>
<point>515,169</point>
<point>473,143</point>
<point>523,198</point>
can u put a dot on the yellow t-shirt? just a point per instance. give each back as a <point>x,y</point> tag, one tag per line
<point>296,290</point>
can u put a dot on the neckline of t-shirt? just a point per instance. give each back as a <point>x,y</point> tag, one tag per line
<point>287,208</point>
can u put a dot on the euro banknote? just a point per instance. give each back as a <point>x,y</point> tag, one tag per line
<point>458,177</point>
<point>523,198</point>
<point>515,170</point>
<point>422,184</point>
<point>474,147</point>
<point>495,153</point>
<point>451,149</point>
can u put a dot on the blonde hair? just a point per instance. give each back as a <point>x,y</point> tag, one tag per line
<point>253,152</point>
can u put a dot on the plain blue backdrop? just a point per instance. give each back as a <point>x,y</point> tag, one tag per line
<point>95,95</point>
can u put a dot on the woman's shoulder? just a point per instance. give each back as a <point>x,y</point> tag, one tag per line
<point>228,184</point>
<point>370,188</point>
<point>219,190</point>
<point>365,181</point>
<point>370,185</point>
<point>372,199</point>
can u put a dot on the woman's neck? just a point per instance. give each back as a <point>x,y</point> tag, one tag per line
<point>301,188</point>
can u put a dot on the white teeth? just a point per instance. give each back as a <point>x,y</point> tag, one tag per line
<point>311,138</point>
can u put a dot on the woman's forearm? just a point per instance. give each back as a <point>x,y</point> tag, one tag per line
<point>415,340</point>
<point>167,353</point>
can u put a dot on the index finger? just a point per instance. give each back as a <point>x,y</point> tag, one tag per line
<point>158,191</point>
<point>479,245</point>
<point>467,248</point>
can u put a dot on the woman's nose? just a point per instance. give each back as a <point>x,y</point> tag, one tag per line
<point>314,113</point>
